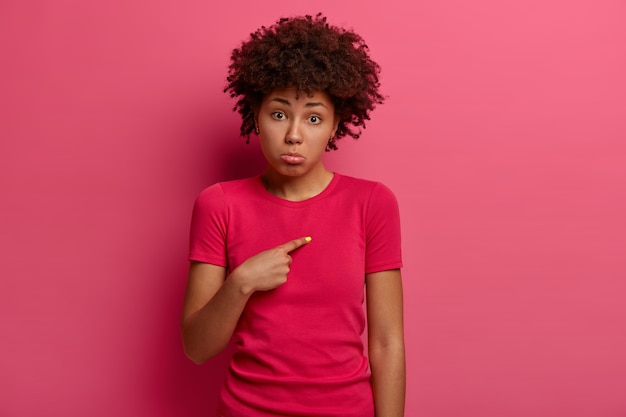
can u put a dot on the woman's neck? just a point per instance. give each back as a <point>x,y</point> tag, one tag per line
<point>296,188</point>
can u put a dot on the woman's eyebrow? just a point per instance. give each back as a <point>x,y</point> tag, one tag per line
<point>288,103</point>
<point>315,104</point>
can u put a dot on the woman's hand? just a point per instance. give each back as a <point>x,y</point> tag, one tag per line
<point>213,302</point>
<point>268,269</point>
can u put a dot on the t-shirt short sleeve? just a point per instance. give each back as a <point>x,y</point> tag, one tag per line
<point>382,227</point>
<point>209,223</point>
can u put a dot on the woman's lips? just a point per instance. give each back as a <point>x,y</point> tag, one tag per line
<point>292,158</point>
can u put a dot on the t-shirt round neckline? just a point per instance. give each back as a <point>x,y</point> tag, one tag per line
<point>278,200</point>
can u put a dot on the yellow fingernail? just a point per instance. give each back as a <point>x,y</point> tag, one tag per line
<point>308,238</point>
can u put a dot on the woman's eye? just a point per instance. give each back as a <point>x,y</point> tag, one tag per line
<point>278,115</point>
<point>314,119</point>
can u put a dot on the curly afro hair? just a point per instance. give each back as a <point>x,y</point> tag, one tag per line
<point>309,54</point>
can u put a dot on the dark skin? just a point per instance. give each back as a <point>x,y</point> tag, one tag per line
<point>292,125</point>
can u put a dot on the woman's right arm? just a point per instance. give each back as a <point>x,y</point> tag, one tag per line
<point>211,310</point>
<point>214,303</point>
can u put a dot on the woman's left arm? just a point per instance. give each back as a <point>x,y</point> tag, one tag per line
<point>386,341</point>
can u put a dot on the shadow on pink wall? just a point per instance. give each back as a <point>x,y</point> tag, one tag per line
<point>182,386</point>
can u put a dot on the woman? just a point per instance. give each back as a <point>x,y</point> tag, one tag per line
<point>279,261</point>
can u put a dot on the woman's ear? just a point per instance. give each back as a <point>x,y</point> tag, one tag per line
<point>335,127</point>
<point>256,120</point>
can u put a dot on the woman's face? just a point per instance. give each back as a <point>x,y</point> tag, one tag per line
<point>294,131</point>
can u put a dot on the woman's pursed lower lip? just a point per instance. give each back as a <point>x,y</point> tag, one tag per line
<point>293,159</point>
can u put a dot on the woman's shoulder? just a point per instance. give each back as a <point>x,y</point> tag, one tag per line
<point>223,193</point>
<point>231,186</point>
<point>365,186</point>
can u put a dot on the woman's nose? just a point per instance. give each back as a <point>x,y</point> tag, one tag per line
<point>293,135</point>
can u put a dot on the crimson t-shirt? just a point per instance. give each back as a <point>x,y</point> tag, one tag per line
<point>298,347</point>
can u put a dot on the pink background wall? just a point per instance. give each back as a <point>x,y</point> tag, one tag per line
<point>503,138</point>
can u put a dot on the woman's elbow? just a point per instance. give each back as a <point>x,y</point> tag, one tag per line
<point>195,357</point>
<point>196,350</point>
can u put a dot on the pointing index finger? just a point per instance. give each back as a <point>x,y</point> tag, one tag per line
<point>296,243</point>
